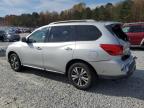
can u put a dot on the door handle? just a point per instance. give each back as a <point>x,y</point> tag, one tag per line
<point>68,49</point>
<point>38,48</point>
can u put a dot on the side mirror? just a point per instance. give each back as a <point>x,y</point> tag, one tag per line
<point>27,40</point>
<point>24,39</point>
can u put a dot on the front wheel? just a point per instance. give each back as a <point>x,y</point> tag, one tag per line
<point>81,75</point>
<point>15,62</point>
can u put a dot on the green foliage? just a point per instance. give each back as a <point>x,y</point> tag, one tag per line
<point>125,11</point>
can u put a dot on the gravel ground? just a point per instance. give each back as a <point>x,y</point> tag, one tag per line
<point>39,89</point>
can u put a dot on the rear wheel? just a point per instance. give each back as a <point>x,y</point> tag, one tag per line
<point>81,75</point>
<point>15,62</point>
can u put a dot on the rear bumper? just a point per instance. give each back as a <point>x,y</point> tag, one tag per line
<point>132,68</point>
<point>115,69</point>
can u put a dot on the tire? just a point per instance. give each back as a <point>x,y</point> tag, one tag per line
<point>81,76</point>
<point>15,62</point>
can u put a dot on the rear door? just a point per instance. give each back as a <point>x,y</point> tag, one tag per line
<point>59,48</point>
<point>32,52</point>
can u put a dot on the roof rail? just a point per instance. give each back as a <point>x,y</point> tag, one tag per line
<point>71,21</point>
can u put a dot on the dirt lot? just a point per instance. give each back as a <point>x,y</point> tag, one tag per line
<point>39,89</point>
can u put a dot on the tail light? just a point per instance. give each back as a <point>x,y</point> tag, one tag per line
<point>113,49</point>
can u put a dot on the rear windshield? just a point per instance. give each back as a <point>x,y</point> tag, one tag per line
<point>117,31</point>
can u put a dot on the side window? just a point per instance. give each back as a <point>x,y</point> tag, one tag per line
<point>135,29</point>
<point>39,36</point>
<point>61,34</point>
<point>87,33</point>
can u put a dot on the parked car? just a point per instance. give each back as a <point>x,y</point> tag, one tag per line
<point>11,36</point>
<point>18,31</point>
<point>84,50</point>
<point>135,32</point>
<point>2,35</point>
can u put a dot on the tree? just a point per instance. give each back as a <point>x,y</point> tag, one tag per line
<point>77,10</point>
<point>109,11</point>
<point>138,10</point>
<point>96,14</point>
<point>87,13</point>
<point>125,11</point>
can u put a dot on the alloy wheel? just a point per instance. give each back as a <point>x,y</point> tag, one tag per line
<point>14,61</point>
<point>79,76</point>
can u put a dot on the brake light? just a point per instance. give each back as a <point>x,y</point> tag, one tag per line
<point>113,49</point>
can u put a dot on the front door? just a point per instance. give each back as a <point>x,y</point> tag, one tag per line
<point>32,52</point>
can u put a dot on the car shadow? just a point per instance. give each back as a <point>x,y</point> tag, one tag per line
<point>46,74</point>
<point>131,87</point>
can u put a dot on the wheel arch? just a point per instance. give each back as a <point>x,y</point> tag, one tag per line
<point>11,52</point>
<point>77,61</point>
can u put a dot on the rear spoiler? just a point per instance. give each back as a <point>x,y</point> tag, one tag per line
<point>113,23</point>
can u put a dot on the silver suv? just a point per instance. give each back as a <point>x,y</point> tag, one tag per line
<point>84,50</point>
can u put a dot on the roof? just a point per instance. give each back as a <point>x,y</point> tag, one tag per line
<point>84,21</point>
<point>72,21</point>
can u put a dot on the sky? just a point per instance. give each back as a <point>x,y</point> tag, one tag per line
<point>17,7</point>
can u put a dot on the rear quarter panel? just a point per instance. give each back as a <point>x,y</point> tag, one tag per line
<point>102,62</point>
<point>91,51</point>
